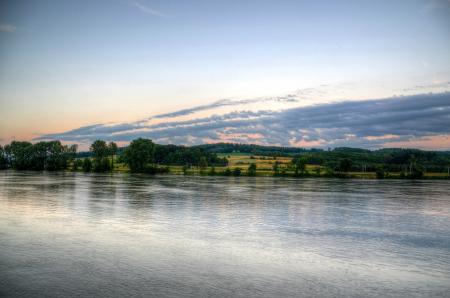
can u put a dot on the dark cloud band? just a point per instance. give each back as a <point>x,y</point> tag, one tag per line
<point>350,123</point>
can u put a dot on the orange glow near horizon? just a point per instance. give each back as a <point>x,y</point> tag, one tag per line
<point>439,142</point>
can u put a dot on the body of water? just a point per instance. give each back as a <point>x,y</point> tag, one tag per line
<point>86,235</point>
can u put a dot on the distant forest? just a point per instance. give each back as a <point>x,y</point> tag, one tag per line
<point>142,155</point>
<point>391,159</point>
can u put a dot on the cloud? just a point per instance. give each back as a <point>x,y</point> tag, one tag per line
<point>7,28</point>
<point>227,102</point>
<point>436,85</point>
<point>365,123</point>
<point>148,10</point>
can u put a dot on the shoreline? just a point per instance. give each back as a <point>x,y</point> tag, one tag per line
<point>197,173</point>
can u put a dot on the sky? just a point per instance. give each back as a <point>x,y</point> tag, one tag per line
<point>323,74</point>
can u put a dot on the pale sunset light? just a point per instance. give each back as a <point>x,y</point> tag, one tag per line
<point>225,148</point>
<point>67,65</point>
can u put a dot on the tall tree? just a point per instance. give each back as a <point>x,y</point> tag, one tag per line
<point>100,154</point>
<point>139,155</point>
<point>21,155</point>
<point>276,168</point>
<point>112,151</point>
<point>58,155</point>
<point>203,163</point>
<point>251,171</point>
<point>87,164</point>
<point>300,166</point>
<point>3,159</point>
<point>76,164</point>
<point>345,165</point>
<point>39,156</point>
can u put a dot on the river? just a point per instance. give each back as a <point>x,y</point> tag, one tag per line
<point>119,235</point>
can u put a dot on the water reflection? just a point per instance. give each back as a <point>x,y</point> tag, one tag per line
<point>72,234</point>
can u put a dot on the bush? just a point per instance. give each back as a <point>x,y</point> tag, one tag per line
<point>237,172</point>
<point>76,164</point>
<point>251,170</point>
<point>416,173</point>
<point>101,165</point>
<point>317,170</point>
<point>329,172</point>
<point>212,171</point>
<point>185,170</point>
<point>345,165</point>
<point>152,170</point>
<point>380,173</point>
<point>227,172</point>
<point>87,164</point>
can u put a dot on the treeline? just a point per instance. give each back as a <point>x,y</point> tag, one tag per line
<point>387,160</point>
<point>50,156</point>
<point>141,156</point>
<point>254,149</point>
<point>144,156</point>
<point>189,156</point>
<point>391,159</point>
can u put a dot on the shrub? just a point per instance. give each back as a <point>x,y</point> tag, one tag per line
<point>380,173</point>
<point>87,164</point>
<point>251,170</point>
<point>237,172</point>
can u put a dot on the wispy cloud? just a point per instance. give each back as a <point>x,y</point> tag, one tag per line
<point>435,85</point>
<point>145,9</point>
<point>7,28</point>
<point>366,123</point>
<point>228,103</point>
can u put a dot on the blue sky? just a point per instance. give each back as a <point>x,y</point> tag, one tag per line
<point>69,64</point>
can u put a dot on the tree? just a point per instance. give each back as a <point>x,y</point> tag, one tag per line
<point>237,172</point>
<point>51,156</point>
<point>203,163</point>
<point>3,159</point>
<point>412,163</point>
<point>139,155</point>
<point>58,155</point>
<point>71,152</point>
<point>276,168</point>
<point>21,155</point>
<point>318,170</point>
<point>227,172</point>
<point>212,171</point>
<point>76,164</point>
<point>300,166</point>
<point>345,165</point>
<point>416,172</point>
<point>251,171</point>
<point>100,153</point>
<point>380,173</point>
<point>112,151</point>
<point>185,169</point>
<point>39,155</point>
<point>8,155</point>
<point>87,164</point>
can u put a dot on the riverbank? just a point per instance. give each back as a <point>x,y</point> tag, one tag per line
<point>238,165</point>
<point>236,171</point>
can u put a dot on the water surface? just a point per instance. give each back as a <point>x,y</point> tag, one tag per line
<point>86,235</point>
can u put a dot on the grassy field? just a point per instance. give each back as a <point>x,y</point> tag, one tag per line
<point>262,162</point>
